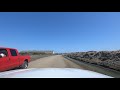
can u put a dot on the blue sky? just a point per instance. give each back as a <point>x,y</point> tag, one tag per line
<point>60,31</point>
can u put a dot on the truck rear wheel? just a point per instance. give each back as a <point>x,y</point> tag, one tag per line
<point>24,65</point>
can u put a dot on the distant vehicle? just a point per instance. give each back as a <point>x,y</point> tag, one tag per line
<point>10,59</point>
<point>52,73</point>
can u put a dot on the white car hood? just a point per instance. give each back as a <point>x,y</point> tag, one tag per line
<point>52,73</point>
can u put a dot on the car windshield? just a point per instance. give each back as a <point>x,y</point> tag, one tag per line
<point>79,40</point>
<point>3,51</point>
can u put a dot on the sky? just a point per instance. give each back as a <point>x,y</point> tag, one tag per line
<point>60,31</point>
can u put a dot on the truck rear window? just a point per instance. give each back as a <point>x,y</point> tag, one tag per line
<point>13,52</point>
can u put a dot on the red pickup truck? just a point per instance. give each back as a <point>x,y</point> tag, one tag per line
<point>10,59</point>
